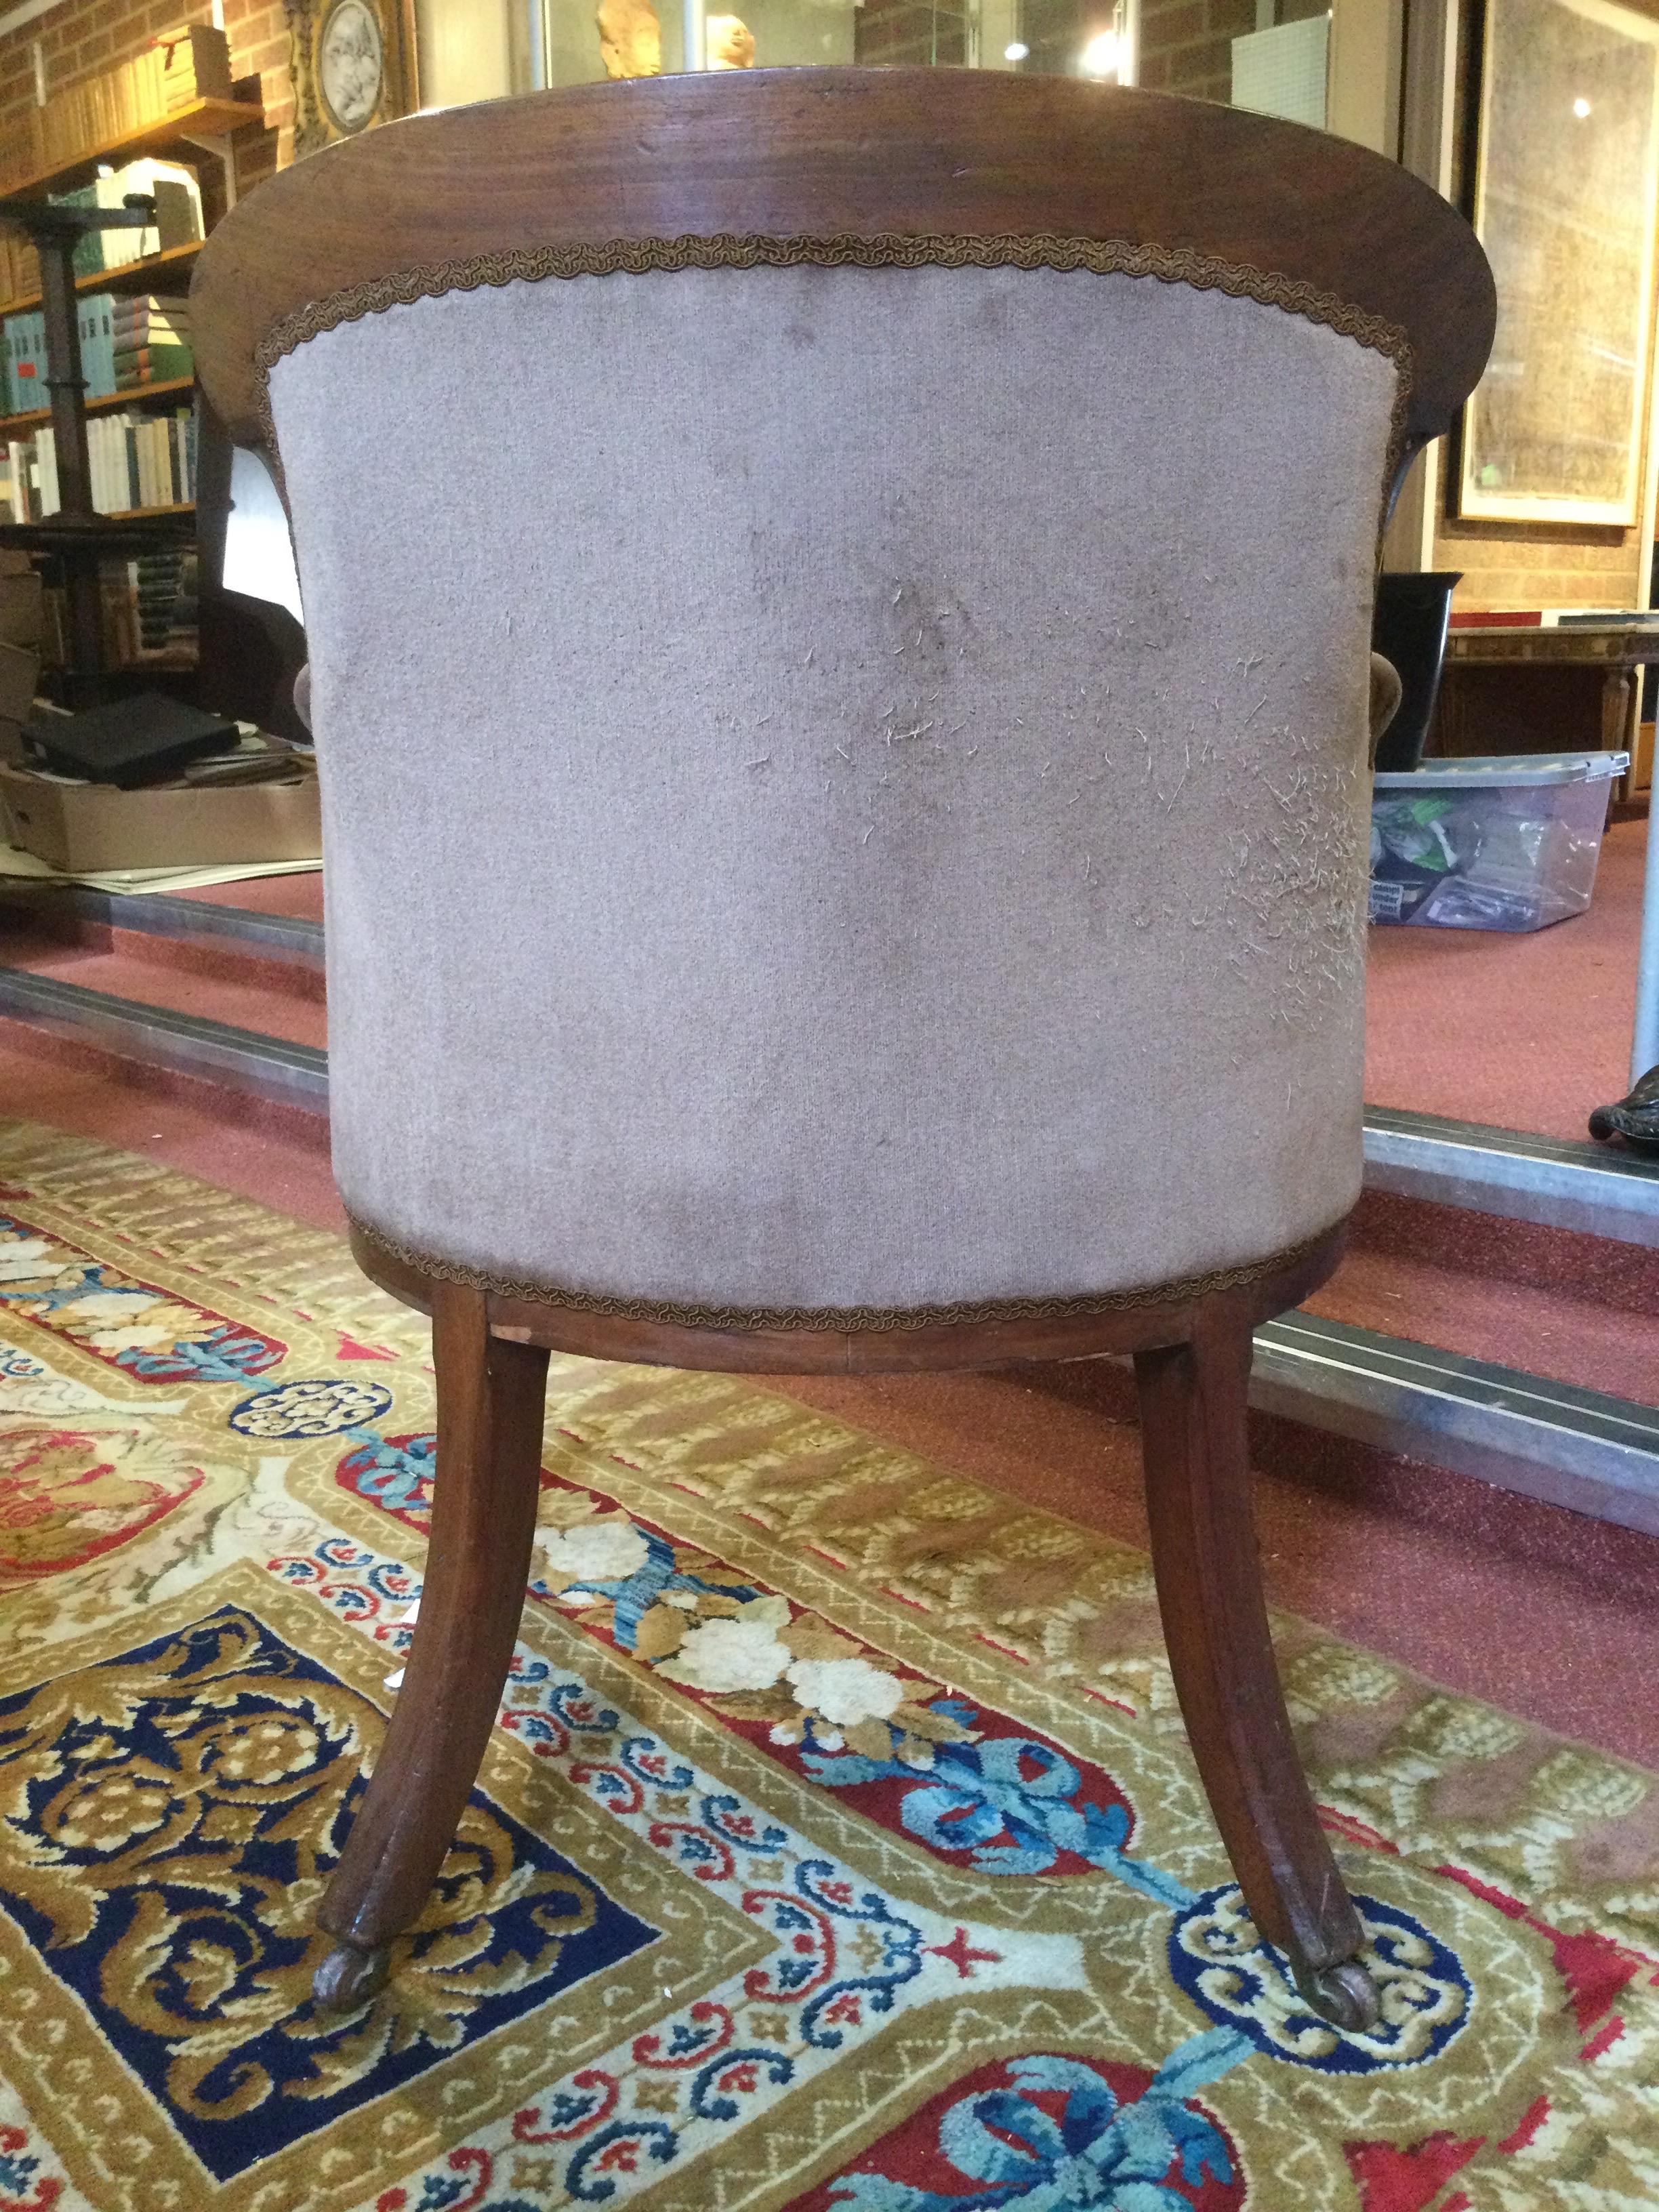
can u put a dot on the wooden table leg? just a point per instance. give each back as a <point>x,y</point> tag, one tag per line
<point>1615,709</point>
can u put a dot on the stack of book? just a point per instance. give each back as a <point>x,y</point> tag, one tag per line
<point>124,344</point>
<point>151,342</point>
<point>137,461</point>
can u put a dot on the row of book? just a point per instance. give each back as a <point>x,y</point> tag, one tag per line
<point>177,70</point>
<point>177,197</point>
<point>125,344</point>
<point>137,462</point>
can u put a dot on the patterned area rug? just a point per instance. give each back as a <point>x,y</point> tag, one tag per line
<point>839,1844</point>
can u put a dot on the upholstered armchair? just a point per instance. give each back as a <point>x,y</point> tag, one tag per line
<point>838,606</point>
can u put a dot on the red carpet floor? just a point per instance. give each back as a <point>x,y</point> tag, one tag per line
<point>1527,1032</point>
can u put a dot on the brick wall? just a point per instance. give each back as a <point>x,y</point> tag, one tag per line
<point>1186,45</point>
<point>886,33</point>
<point>80,38</point>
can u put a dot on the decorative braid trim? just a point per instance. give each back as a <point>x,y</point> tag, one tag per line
<point>842,1320</point>
<point>639,256</point>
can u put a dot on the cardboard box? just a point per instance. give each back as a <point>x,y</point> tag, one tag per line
<point>88,827</point>
<point>22,610</point>
<point>20,671</point>
<point>11,742</point>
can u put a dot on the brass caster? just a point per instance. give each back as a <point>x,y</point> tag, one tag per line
<point>349,1977</point>
<point>1344,1995</point>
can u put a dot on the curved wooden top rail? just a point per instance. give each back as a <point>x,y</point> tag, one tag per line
<point>828,152</point>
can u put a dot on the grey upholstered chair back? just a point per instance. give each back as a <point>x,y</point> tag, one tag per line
<point>838,604</point>
<point>845,785</point>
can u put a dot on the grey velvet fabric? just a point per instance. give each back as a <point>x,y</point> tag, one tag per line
<point>842,787</point>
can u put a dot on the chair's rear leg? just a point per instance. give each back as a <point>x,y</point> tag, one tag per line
<point>1193,1408</point>
<point>490,1407</point>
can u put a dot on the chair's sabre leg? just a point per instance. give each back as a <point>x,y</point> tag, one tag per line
<point>491,1407</point>
<point>1192,1406</point>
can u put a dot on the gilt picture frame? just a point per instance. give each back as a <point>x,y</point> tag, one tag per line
<point>1566,194</point>
<point>353,65</point>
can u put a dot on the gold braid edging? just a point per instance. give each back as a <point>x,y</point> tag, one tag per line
<point>639,256</point>
<point>843,1320</point>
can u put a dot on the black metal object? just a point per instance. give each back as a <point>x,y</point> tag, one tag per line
<point>76,534</point>
<point>1409,629</point>
<point>1635,1117</point>
<point>130,742</point>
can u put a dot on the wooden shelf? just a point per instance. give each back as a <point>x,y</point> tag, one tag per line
<point>137,514</point>
<point>137,530</point>
<point>12,426</point>
<point>173,136</point>
<point>131,277</point>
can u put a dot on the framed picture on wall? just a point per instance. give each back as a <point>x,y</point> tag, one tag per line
<point>1566,194</point>
<point>353,64</point>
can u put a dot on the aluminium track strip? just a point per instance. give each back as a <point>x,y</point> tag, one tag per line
<point>189,1044</point>
<point>157,914</point>
<point>1594,1454</point>
<point>1602,1190</point>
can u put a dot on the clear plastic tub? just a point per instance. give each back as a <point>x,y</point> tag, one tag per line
<point>1502,842</point>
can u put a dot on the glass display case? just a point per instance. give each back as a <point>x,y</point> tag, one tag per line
<point>480,49</point>
<point>1270,55</point>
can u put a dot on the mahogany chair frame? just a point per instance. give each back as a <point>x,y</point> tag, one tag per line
<point>1192,1358</point>
<point>916,157</point>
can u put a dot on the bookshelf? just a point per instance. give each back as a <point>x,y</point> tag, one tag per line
<point>171,387</point>
<point>77,538</point>
<point>176,137</point>
<point>154,271</point>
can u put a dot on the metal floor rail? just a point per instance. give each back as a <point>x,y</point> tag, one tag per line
<point>1603,1190</point>
<point>154,913</point>
<point>1595,1455</point>
<point>188,1044</point>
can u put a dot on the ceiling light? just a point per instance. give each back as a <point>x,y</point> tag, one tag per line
<point>1580,108</point>
<point>1103,55</point>
<point>1016,52</point>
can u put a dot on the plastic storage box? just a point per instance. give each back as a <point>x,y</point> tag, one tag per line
<point>1502,842</point>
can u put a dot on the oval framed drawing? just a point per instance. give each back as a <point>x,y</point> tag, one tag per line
<point>352,63</point>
